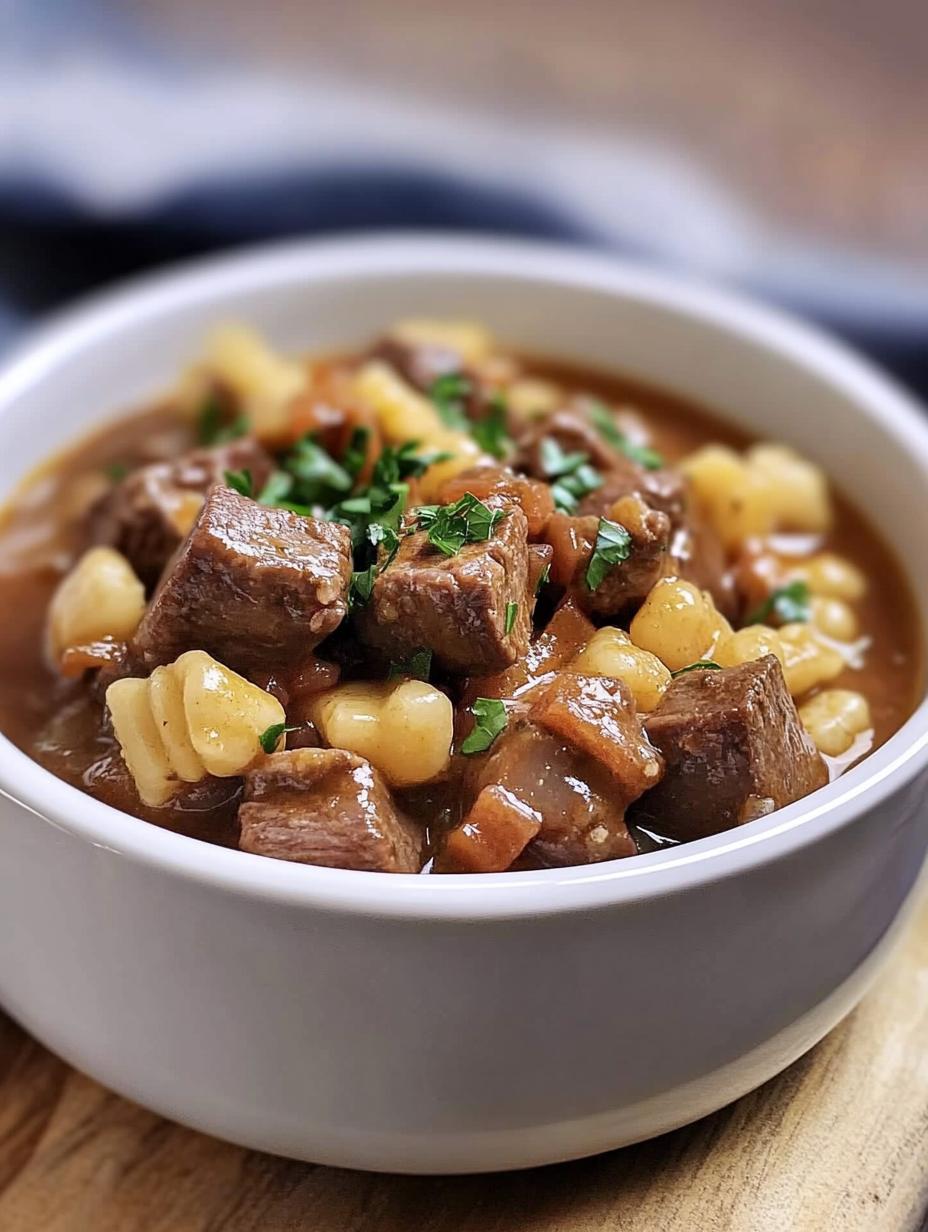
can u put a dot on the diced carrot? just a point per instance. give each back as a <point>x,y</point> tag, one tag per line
<point>496,830</point>
<point>597,715</point>
<point>533,497</point>
<point>76,660</point>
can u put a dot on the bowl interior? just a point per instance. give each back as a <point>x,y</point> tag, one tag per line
<point>754,368</point>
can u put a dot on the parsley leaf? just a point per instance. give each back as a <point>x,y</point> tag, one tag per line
<point>317,478</point>
<point>450,527</point>
<point>361,586</point>
<point>277,488</point>
<point>418,666</point>
<point>543,578</point>
<point>270,737</point>
<point>701,665</point>
<point>490,719</point>
<point>240,482</point>
<point>613,545</point>
<point>355,454</point>
<point>213,428</point>
<point>449,393</point>
<point>512,611</point>
<point>116,471</point>
<point>788,603</point>
<point>490,432</point>
<point>554,461</point>
<point>604,422</point>
<point>572,474</point>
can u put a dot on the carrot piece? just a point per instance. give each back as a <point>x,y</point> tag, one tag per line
<point>496,830</point>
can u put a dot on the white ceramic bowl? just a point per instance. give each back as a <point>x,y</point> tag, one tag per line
<point>460,1023</point>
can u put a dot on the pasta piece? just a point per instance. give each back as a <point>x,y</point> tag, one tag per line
<point>263,383</point>
<point>808,660</point>
<point>832,577</point>
<point>753,642</point>
<point>404,414</point>
<point>770,488</point>
<point>679,623</point>
<point>100,598</point>
<point>611,652</point>
<point>404,728</point>
<point>468,339</point>
<point>140,742</point>
<point>835,618</point>
<point>190,719</point>
<point>225,713</point>
<point>835,718</point>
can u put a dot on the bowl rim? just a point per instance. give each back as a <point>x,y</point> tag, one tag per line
<point>467,896</point>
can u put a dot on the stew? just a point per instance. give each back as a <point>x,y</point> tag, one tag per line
<point>435,606</point>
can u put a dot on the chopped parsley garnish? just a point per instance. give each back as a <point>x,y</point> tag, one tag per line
<point>270,737</point>
<point>788,603</point>
<point>450,527</point>
<point>490,432</point>
<point>317,478</point>
<point>355,454</point>
<point>418,666</point>
<point>701,665</point>
<point>116,471</point>
<point>613,545</point>
<point>361,586</point>
<point>543,578</point>
<point>604,422</point>
<point>240,482</point>
<point>277,488</point>
<point>512,611</point>
<point>571,472</point>
<point>449,393</point>
<point>213,427</point>
<point>490,719</point>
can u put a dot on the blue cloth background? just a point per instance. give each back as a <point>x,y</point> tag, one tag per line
<point>103,172</point>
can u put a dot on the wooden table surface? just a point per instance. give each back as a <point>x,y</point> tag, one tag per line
<point>838,1142</point>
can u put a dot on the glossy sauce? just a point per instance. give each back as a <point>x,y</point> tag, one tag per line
<point>58,722</point>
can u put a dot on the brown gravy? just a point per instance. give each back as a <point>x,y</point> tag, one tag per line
<point>57,722</point>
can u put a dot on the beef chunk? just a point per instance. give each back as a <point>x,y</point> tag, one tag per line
<point>454,606</point>
<point>499,484</point>
<point>149,513</point>
<point>664,490</point>
<point>698,555</point>
<point>420,366</point>
<point>328,807</point>
<point>627,583</point>
<point>572,431</point>
<point>571,794</point>
<point>569,771</point>
<point>258,588</point>
<point>734,749</point>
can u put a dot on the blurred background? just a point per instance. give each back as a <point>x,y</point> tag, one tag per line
<point>774,145</point>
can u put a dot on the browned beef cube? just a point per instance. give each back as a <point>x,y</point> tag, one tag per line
<point>699,556</point>
<point>148,514</point>
<point>455,606</point>
<point>421,366</point>
<point>663,490</point>
<point>328,807</point>
<point>628,581</point>
<point>500,485</point>
<point>573,432</point>
<point>572,795</point>
<point>257,588</point>
<point>734,749</point>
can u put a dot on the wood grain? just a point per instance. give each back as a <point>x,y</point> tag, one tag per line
<point>838,1143</point>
